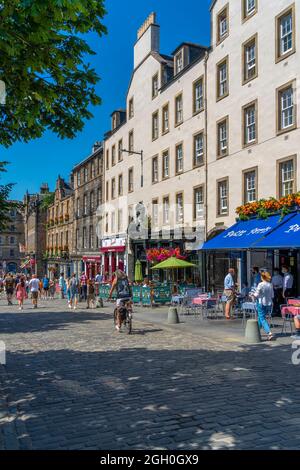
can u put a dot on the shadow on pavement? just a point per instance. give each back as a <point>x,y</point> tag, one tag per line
<point>149,399</point>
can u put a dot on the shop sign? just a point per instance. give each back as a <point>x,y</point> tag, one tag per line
<point>113,242</point>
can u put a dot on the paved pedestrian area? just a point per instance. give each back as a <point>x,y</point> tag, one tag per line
<point>72,382</point>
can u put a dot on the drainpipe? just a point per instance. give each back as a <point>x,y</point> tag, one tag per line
<point>206,144</point>
<point>204,256</point>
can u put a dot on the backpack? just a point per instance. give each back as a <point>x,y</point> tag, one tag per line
<point>123,288</point>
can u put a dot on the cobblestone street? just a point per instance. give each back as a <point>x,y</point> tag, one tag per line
<point>72,382</point>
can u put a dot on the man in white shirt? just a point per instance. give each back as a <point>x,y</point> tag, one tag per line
<point>288,281</point>
<point>34,285</point>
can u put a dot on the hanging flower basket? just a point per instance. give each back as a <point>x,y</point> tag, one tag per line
<point>156,255</point>
<point>263,208</point>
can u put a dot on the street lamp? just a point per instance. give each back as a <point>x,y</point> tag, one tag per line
<point>141,153</point>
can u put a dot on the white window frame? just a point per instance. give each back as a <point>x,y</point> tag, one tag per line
<point>223,79</point>
<point>250,60</point>
<point>250,7</point>
<point>155,126</point>
<point>166,118</point>
<point>179,62</point>
<point>198,96</point>
<point>250,124</point>
<point>287,175</point>
<point>179,158</point>
<point>250,186</point>
<point>198,149</point>
<point>286,33</point>
<point>155,212</point>
<point>155,175</point>
<point>166,210</point>
<point>223,137</point>
<point>223,25</point>
<point>287,108</point>
<point>179,208</point>
<point>166,168</point>
<point>198,203</point>
<point>223,197</point>
<point>179,109</point>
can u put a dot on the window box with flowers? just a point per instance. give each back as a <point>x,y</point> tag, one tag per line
<point>263,208</point>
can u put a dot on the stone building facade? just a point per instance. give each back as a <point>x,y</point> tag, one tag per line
<point>60,235</point>
<point>35,219</point>
<point>87,179</point>
<point>12,241</point>
<point>206,129</point>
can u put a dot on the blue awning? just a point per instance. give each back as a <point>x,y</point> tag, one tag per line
<point>244,235</point>
<point>287,236</point>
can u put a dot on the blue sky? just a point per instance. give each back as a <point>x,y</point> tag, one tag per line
<point>43,159</point>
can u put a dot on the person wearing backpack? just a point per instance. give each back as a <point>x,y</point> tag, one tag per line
<point>73,291</point>
<point>124,295</point>
<point>9,288</point>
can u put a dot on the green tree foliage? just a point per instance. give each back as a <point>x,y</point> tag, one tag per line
<point>49,84</point>
<point>48,200</point>
<point>5,205</point>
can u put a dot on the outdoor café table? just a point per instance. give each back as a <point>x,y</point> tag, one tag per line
<point>202,300</point>
<point>290,310</point>
<point>177,299</point>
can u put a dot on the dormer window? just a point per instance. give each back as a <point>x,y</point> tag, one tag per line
<point>179,62</point>
<point>222,25</point>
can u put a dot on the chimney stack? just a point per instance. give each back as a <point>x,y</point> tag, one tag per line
<point>147,39</point>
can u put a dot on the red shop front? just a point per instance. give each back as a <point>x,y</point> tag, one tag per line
<point>113,251</point>
<point>92,265</point>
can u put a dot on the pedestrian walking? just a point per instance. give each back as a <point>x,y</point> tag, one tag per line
<point>229,292</point>
<point>264,295</point>
<point>62,285</point>
<point>288,282</point>
<point>90,294</point>
<point>52,288</point>
<point>83,286</point>
<point>34,285</point>
<point>73,291</point>
<point>21,293</point>
<point>46,287</point>
<point>9,288</point>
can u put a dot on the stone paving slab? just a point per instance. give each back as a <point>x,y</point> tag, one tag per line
<point>72,382</point>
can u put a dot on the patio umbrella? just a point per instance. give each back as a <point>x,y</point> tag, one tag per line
<point>138,275</point>
<point>173,263</point>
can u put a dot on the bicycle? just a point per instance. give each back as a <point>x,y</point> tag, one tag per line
<point>125,311</point>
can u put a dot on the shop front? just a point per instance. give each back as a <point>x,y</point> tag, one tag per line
<point>92,265</point>
<point>266,243</point>
<point>113,256</point>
